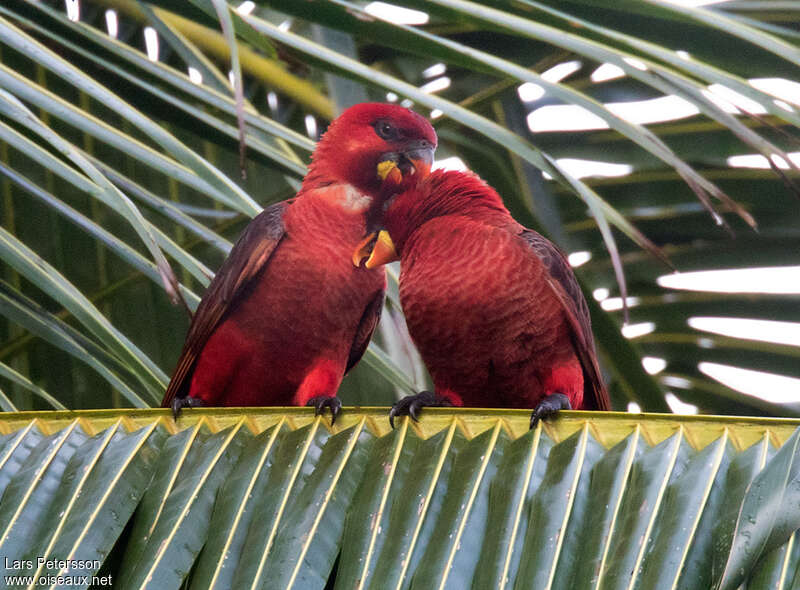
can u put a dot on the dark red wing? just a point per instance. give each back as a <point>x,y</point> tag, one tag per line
<point>565,286</point>
<point>370,319</point>
<point>251,252</point>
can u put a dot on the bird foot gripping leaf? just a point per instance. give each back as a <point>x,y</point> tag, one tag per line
<point>549,406</point>
<point>178,403</point>
<point>323,401</point>
<point>411,404</point>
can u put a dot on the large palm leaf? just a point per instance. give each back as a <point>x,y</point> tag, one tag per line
<point>111,163</point>
<point>273,498</point>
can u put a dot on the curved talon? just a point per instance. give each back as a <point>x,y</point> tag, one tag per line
<point>549,406</point>
<point>323,401</point>
<point>411,404</point>
<point>178,403</point>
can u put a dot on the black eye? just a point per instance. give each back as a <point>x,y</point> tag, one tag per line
<point>386,130</point>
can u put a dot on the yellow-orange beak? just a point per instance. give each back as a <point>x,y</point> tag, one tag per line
<point>389,171</point>
<point>363,249</point>
<point>383,251</point>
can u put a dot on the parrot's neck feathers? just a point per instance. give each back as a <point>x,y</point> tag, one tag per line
<point>347,197</point>
<point>454,193</point>
<point>444,193</point>
<point>339,196</point>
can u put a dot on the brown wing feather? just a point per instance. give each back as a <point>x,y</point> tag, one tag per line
<point>370,319</point>
<point>565,286</point>
<point>247,258</point>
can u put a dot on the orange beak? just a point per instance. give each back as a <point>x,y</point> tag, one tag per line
<point>388,172</point>
<point>392,177</point>
<point>379,250</point>
<point>363,249</point>
<point>383,251</point>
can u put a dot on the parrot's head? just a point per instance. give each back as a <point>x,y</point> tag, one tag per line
<point>372,141</point>
<point>438,194</point>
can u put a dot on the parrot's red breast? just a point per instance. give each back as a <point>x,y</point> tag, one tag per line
<point>290,335</point>
<point>493,307</point>
<point>288,313</point>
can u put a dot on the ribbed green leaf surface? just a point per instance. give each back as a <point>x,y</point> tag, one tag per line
<point>307,540</point>
<point>766,513</point>
<point>557,504</point>
<point>450,562</point>
<point>170,462</point>
<point>774,567</point>
<point>14,449</point>
<point>295,458</point>
<point>129,154</point>
<point>463,499</point>
<point>112,475</point>
<point>33,488</point>
<point>608,484</point>
<point>409,522</point>
<point>517,479</point>
<point>384,482</point>
<point>649,478</point>
<point>233,513</point>
<point>181,530</point>
<point>683,505</point>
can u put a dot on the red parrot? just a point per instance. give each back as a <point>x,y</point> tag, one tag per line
<point>493,307</point>
<point>287,314</point>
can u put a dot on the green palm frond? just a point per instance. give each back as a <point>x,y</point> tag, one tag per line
<point>119,174</point>
<point>466,499</point>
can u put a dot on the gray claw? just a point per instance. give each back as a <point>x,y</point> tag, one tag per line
<point>323,401</point>
<point>412,404</point>
<point>178,403</point>
<point>549,406</point>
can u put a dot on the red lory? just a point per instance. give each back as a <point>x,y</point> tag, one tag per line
<point>287,314</point>
<point>493,307</point>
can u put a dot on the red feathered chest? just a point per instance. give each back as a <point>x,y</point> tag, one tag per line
<point>303,309</point>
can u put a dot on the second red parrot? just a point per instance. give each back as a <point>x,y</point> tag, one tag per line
<point>493,307</point>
